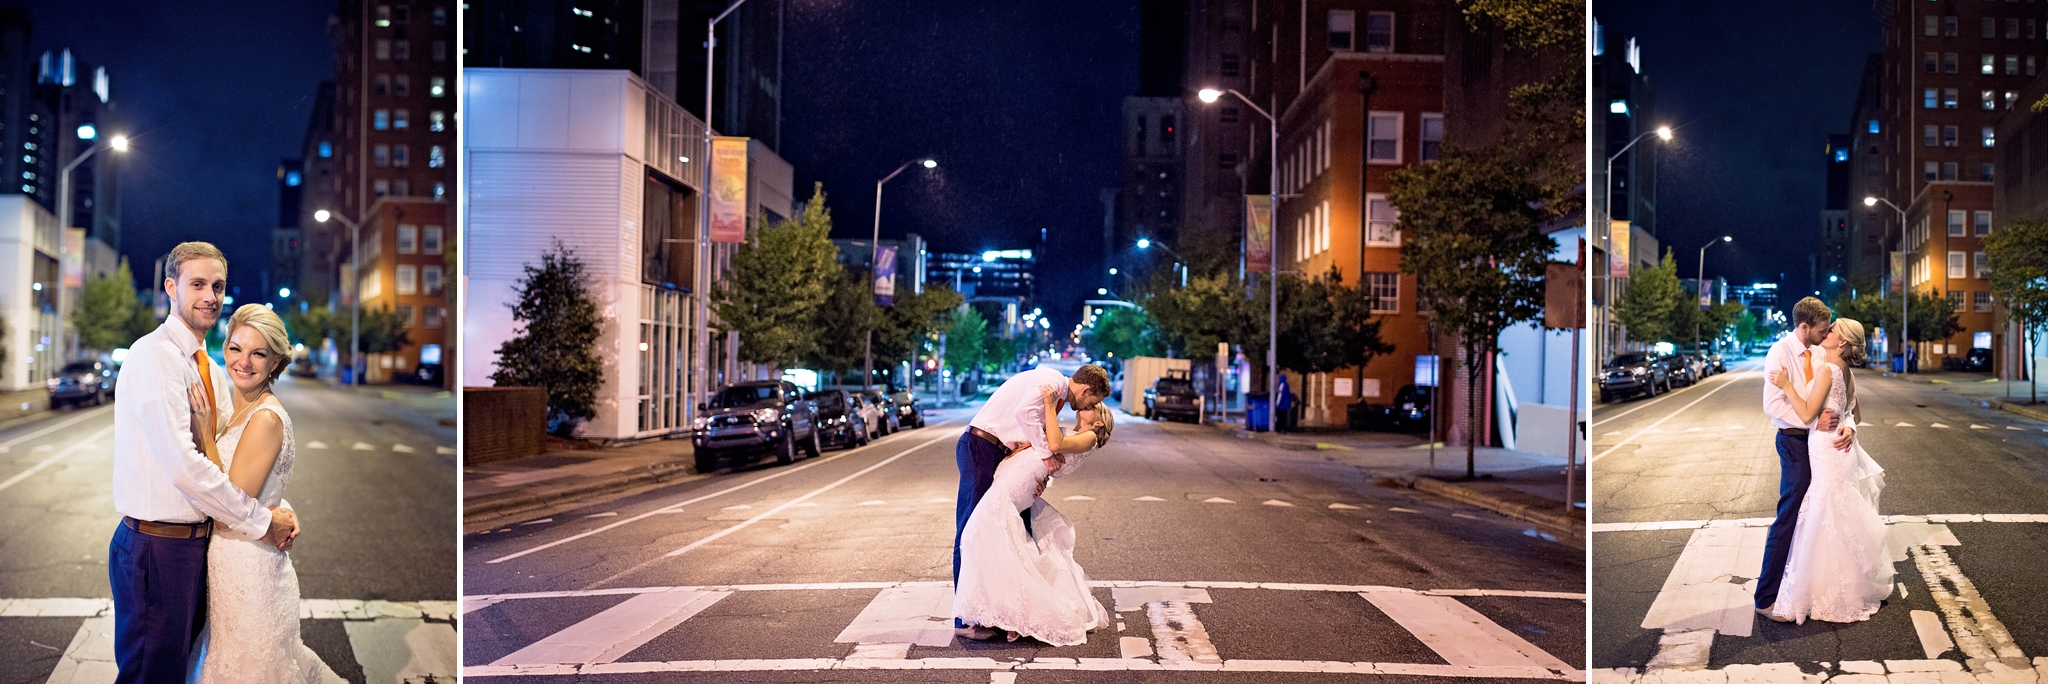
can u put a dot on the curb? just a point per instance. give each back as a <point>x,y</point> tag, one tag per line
<point>509,504</point>
<point>1571,528</point>
<point>2036,413</point>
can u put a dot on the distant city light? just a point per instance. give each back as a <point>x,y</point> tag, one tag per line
<point>284,293</point>
<point>87,132</point>
<point>1209,95</point>
<point>1144,243</point>
<point>1618,107</point>
<point>1099,290</point>
<point>1112,270</point>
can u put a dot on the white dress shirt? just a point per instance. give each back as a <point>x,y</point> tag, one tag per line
<point>158,474</point>
<point>1016,411</point>
<point>1784,356</point>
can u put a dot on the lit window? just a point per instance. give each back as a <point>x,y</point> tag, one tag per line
<point>437,87</point>
<point>435,158</point>
<point>1618,107</point>
<point>2010,96</point>
<point>1956,217</point>
<point>1982,223</point>
<point>1384,291</point>
<point>1341,24</point>
<point>1383,137</point>
<point>380,119</point>
<point>408,279</point>
<point>408,239</point>
<point>440,191</point>
<point>326,149</point>
<point>379,188</point>
<point>430,240</point>
<point>1380,220</point>
<point>1989,134</point>
<point>1983,297</point>
<point>1927,99</point>
<point>383,16</point>
<point>437,121</point>
<point>1989,64</point>
<point>1956,269</point>
<point>2012,65</point>
<point>291,179</point>
<point>1432,136</point>
<point>400,158</point>
<point>380,155</point>
<point>1379,32</point>
<point>1841,155</point>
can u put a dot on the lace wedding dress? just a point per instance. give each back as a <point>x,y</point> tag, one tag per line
<point>252,593</point>
<point>1011,581</point>
<point>1838,570</point>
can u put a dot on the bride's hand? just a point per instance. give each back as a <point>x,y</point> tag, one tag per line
<point>203,419</point>
<point>1778,378</point>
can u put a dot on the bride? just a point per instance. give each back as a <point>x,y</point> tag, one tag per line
<point>1025,581</point>
<point>1838,570</point>
<point>252,592</point>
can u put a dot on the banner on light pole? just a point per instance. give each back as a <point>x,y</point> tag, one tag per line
<point>885,275</point>
<point>728,189</point>
<point>1898,272</point>
<point>1258,233</point>
<point>1618,252</point>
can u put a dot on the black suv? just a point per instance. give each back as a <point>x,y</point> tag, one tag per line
<point>1408,413</point>
<point>1633,373</point>
<point>1173,397</point>
<point>82,382</point>
<point>1681,370</point>
<point>752,418</point>
<point>839,422</point>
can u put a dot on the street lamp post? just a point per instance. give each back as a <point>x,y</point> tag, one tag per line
<point>700,276</point>
<point>355,309</point>
<point>1702,286</point>
<point>1210,96</point>
<point>867,364</point>
<point>1180,263</point>
<point>1606,227</point>
<point>1905,285</point>
<point>118,143</point>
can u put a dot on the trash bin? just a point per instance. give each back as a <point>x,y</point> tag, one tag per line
<point>1257,413</point>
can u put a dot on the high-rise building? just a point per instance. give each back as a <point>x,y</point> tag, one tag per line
<point>1149,195</point>
<point>322,253</point>
<point>1831,262</point>
<point>1952,72</point>
<point>1625,201</point>
<point>1216,155</point>
<point>1867,260</point>
<point>287,237</point>
<point>394,110</point>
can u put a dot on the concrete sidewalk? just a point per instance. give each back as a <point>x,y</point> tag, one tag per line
<point>1517,484</point>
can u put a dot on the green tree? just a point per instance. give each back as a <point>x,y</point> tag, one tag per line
<point>104,310</point>
<point>555,346</point>
<point>1747,329</point>
<point>2019,278</point>
<point>1646,304</point>
<point>1212,309</point>
<point>1121,333</point>
<point>964,341</point>
<point>777,283</point>
<point>998,351</point>
<point>314,325</point>
<point>1472,234</point>
<point>381,331</point>
<point>914,318</point>
<point>843,323</point>
<point>1326,325</point>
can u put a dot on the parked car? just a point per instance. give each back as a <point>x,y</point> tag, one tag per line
<point>871,414</point>
<point>752,418</point>
<point>1973,361</point>
<point>1715,361</point>
<point>82,383</point>
<point>891,420</point>
<point>1409,411</point>
<point>1680,371</point>
<point>839,423</point>
<point>1173,397</point>
<point>907,412</point>
<point>1633,373</point>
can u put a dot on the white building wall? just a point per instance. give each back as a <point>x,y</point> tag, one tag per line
<point>1538,363</point>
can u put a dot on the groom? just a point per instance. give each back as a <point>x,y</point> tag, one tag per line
<point>1793,353</point>
<point>167,492</point>
<point>1024,410</point>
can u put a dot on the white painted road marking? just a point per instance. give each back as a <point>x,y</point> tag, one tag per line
<point>1460,635</point>
<point>74,420</point>
<point>675,507</point>
<point>1702,591</point>
<point>316,444</point>
<point>1977,631</point>
<point>1766,522</point>
<point>400,650</point>
<point>1934,639</point>
<point>1343,507</point>
<point>388,639</point>
<point>1218,499</point>
<point>1660,421</point>
<point>68,452</point>
<point>90,657</point>
<point>1177,635</point>
<point>919,614</point>
<point>1112,585</point>
<point>604,637</point>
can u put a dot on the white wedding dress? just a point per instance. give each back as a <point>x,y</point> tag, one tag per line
<point>1838,569</point>
<point>1011,581</point>
<point>252,593</point>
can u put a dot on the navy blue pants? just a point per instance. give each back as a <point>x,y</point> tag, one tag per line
<point>977,459</point>
<point>159,604</point>
<point>1794,474</point>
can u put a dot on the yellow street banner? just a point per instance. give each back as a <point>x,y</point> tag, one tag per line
<point>728,189</point>
<point>1618,251</point>
<point>1258,233</point>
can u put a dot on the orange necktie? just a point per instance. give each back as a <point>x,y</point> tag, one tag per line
<point>206,378</point>
<point>1806,359</point>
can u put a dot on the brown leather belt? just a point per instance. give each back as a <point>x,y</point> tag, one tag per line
<point>170,530</point>
<point>1792,432</point>
<point>990,438</point>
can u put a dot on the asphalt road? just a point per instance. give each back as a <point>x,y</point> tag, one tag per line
<point>373,484</point>
<point>827,568</point>
<point>1964,484</point>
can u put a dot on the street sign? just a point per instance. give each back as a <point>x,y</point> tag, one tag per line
<point>1564,296</point>
<point>1425,370</point>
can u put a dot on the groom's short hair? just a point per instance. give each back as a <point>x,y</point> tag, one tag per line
<point>1094,378</point>
<point>1811,311</point>
<point>187,251</point>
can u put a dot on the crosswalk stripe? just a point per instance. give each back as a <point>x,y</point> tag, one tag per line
<point>1702,590</point>
<point>470,601</point>
<point>1977,631</point>
<point>998,667</point>
<point>1460,635</point>
<point>1178,635</point>
<point>921,614</point>
<point>1934,639</point>
<point>90,657</point>
<point>606,636</point>
<point>402,649</point>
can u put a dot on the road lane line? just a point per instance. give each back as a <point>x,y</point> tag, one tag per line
<point>4,446</point>
<point>778,509</point>
<point>671,508</point>
<point>1460,635</point>
<point>610,635</point>
<point>919,614</point>
<point>1674,414</point>
<point>1638,407</point>
<point>1977,632</point>
<point>61,455</point>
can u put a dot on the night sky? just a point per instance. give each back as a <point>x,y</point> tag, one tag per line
<point>1753,89</point>
<point>213,95</point>
<point>1020,102</point>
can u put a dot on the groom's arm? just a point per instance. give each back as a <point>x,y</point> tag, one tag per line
<point>1776,405</point>
<point>166,429</point>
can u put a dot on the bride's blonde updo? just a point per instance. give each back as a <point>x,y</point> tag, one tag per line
<point>1853,352</point>
<point>271,327</point>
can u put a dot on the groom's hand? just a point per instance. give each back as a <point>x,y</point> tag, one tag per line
<point>284,528</point>
<point>1845,437</point>
<point>1828,420</point>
